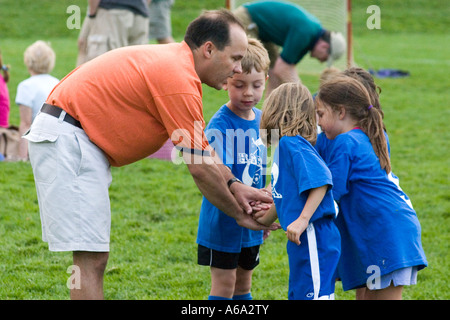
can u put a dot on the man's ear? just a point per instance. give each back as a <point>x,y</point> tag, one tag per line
<point>208,49</point>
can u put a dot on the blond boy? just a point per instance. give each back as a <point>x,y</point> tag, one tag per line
<point>231,251</point>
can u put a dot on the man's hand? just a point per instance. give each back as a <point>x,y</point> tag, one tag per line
<point>247,221</point>
<point>251,199</point>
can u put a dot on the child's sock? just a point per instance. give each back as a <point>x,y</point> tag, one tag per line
<point>217,298</point>
<point>247,296</point>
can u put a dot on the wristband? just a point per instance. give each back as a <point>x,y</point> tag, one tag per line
<point>232,180</point>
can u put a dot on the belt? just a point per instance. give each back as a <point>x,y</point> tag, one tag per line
<point>56,112</point>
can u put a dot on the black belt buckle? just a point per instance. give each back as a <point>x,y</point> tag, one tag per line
<point>56,112</point>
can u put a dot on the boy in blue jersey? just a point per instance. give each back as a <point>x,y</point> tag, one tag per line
<point>380,231</point>
<point>231,251</point>
<point>301,190</point>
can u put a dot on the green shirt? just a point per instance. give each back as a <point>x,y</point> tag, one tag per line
<point>287,25</point>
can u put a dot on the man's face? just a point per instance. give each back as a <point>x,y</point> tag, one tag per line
<point>226,63</point>
<point>321,50</point>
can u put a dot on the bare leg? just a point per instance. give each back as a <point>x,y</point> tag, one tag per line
<point>389,293</point>
<point>243,281</point>
<point>222,282</point>
<point>92,267</point>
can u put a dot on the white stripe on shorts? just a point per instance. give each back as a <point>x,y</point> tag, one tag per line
<point>314,258</point>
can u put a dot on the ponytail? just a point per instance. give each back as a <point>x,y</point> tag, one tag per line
<point>349,93</point>
<point>373,126</point>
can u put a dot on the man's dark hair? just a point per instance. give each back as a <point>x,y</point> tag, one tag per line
<point>214,26</point>
<point>326,36</point>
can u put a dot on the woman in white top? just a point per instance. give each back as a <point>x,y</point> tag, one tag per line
<point>39,59</point>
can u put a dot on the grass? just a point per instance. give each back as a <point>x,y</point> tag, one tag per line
<point>155,204</point>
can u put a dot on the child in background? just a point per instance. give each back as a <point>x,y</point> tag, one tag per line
<point>381,245</point>
<point>231,251</point>
<point>39,58</point>
<point>4,95</point>
<point>301,189</point>
<point>326,74</point>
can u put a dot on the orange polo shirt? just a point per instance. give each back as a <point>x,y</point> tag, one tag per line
<point>131,100</point>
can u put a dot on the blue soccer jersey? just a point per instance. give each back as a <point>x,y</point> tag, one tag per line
<point>237,143</point>
<point>378,225</point>
<point>296,169</point>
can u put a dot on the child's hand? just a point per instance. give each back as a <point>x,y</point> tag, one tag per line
<point>260,205</point>
<point>267,217</point>
<point>262,217</point>
<point>296,228</point>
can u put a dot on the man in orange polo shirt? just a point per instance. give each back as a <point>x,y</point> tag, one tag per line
<point>117,109</point>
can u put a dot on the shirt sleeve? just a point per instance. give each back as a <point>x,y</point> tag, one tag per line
<point>182,117</point>
<point>24,95</point>
<point>218,140</point>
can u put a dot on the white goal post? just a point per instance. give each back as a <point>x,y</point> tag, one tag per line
<point>335,15</point>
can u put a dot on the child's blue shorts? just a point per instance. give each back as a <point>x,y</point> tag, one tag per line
<point>313,263</point>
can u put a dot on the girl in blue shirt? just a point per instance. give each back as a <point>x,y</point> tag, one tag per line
<point>381,245</point>
<point>301,190</point>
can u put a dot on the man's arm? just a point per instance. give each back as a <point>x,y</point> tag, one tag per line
<point>212,183</point>
<point>92,7</point>
<point>245,195</point>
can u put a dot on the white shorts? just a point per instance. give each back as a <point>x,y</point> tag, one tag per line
<point>72,177</point>
<point>401,277</point>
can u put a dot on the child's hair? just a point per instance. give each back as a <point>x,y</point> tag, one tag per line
<point>39,57</point>
<point>289,109</point>
<point>349,93</point>
<point>256,57</point>
<point>328,73</point>
<point>367,80</point>
<point>5,69</point>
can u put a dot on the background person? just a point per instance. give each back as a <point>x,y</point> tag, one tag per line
<point>4,95</point>
<point>160,27</point>
<point>290,26</point>
<point>112,24</point>
<point>39,58</point>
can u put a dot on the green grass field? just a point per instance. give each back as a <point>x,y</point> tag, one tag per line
<point>155,204</point>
